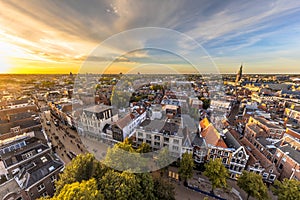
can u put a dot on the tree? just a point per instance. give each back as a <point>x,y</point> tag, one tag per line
<point>163,190</point>
<point>217,173</point>
<point>253,185</point>
<point>83,167</point>
<point>144,148</point>
<point>122,157</point>
<point>287,189</point>
<point>86,190</point>
<point>186,166</point>
<point>120,186</point>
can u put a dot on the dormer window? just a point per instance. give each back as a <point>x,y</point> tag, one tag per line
<point>240,154</point>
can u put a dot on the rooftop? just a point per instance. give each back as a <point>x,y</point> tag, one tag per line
<point>97,108</point>
<point>293,153</point>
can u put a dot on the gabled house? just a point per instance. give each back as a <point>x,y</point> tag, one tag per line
<point>125,126</point>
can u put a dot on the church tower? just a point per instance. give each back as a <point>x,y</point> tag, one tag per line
<point>239,75</point>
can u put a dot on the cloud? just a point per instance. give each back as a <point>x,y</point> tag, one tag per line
<point>69,31</point>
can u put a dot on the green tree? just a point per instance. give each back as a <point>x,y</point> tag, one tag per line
<point>253,185</point>
<point>120,186</point>
<point>163,190</point>
<point>83,167</point>
<point>217,173</point>
<point>86,190</point>
<point>144,148</point>
<point>186,166</point>
<point>123,157</point>
<point>146,185</point>
<point>287,189</point>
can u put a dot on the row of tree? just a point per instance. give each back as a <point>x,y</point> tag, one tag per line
<point>252,183</point>
<point>87,178</point>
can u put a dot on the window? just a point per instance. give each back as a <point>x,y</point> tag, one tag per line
<point>44,159</point>
<point>220,153</point>
<point>280,166</point>
<point>156,144</point>
<point>157,137</point>
<point>140,140</point>
<point>166,139</point>
<point>41,187</point>
<point>225,153</point>
<point>224,160</point>
<point>175,141</point>
<point>275,161</point>
<point>265,175</point>
<point>45,194</point>
<point>53,178</point>
<point>272,177</point>
<point>212,151</point>
<point>240,154</point>
<point>175,148</point>
<point>148,142</point>
<point>233,160</point>
<point>140,134</point>
<point>148,136</point>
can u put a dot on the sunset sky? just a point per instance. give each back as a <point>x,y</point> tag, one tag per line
<point>43,36</point>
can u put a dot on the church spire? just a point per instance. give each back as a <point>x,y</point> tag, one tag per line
<point>239,74</point>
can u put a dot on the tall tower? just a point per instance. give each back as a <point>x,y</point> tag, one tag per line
<point>237,80</point>
<point>239,75</point>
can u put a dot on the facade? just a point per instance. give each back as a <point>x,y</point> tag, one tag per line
<point>287,158</point>
<point>94,118</point>
<point>272,130</point>
<point>125,126</point>
<point>159,134</point>
<point>212,145</point>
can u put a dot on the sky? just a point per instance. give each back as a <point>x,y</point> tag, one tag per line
<point>62,36</point>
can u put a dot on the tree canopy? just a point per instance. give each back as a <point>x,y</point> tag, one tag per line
<point>83,167</point>
<point>86,178</point>
<point>287,189</point>
<point>86,190</point>
<point>253,185</point>
<point>186,166</point>
<point>217,173</point>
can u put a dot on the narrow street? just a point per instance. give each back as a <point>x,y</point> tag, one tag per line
<point>66,141</point>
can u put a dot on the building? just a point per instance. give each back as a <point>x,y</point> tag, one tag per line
<point>239,156</point>
<point>211,145</point>
<point>258,125</point>
<point>287,158</point>
<point>93,120</point>
<point>161,133</point>
<point>126,125</point>
<point>30,163</point>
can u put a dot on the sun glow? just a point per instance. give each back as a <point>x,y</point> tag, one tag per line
<point>4,65</point>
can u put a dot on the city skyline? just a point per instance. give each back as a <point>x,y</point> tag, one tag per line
<point>52,37</point>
